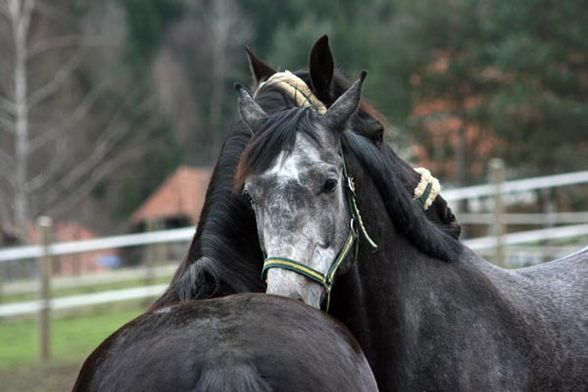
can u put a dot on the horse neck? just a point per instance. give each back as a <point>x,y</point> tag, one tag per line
<point>388,296</point>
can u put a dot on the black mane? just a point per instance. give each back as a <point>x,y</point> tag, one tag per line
<point>277,134</point>
<point>409,218</point>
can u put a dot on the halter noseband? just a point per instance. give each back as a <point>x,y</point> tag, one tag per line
<point>425,192</point>
<point>356,228</point>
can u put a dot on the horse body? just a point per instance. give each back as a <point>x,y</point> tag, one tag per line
<point>429,314</point>
<point>464,324</point>
<point>247,342</point>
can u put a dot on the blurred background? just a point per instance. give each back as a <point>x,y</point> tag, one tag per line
<point>112,114</point>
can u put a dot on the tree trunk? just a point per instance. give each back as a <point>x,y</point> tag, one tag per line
<point>20,12</point>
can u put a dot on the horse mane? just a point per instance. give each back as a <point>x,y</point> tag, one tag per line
<point>438,240</point>
<point>278,134</point>
<point>224,256</point>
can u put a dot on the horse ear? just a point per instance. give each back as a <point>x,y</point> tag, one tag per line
<point>345,106</point>
<point>251,113</point>
<point>260,71</point>
<point>322,67</point>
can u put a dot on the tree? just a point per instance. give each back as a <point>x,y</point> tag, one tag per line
<point>201,57</point>
<point>502,79</point>
<point>63,133</point>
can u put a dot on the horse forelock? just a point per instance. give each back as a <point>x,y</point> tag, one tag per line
<point>277,135</point>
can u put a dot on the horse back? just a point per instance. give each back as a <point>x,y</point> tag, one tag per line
<point>247,342</point>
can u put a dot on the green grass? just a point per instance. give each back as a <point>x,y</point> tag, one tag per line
<point>73,337</point>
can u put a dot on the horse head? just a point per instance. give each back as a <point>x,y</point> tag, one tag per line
<point>294,175</point>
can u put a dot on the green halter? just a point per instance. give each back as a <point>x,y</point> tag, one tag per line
<point>328,279</point>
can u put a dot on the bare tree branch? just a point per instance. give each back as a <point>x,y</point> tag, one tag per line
<point>20,14</point>
<point>6,105</point>
<point>83,190</point>
<point>6,160</point>
<point>6,124</point>
<point>6,204</point>
<point>48,174</point>
<point>7,178</point>
<point>54,13</point>
<point>4,11</point>
<point>111,135</point>
<point>65,42</point>
<point>60,77</point>
<point>102,149</point>
<point>77,115</point>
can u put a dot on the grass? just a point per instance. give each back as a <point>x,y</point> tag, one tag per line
<point>73,337</point>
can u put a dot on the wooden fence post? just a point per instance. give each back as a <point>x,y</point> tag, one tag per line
<point>44,224</point>
<point>150,255</point>
<point>497,177</point>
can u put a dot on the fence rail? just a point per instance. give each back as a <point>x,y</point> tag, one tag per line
<point>28,307</point>
<point>523,237</point>
<point>577,226</point>
<point>186,234</point>
<point>89,280</point>
<point>121,241</point>
<point>555,218</point>
<point>82,300</point>
<point>527,184</point>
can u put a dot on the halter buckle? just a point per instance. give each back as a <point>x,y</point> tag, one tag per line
<point>353,227</point>
<point>351,184</point>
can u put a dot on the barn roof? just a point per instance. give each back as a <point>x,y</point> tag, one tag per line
<point>181,195</point>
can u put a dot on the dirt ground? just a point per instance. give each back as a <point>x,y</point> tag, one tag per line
<point>38,378</point>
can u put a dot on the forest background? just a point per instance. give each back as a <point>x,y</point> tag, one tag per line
<point>100,101</point>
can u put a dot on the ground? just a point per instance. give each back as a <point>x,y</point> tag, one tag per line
<point>74,336</point>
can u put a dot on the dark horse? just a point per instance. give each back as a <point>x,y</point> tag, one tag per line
<point>429,313</point>
<point>245,342</point>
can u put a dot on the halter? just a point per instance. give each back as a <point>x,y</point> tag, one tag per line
<point>356,229</point>
<point>425,192</point>
<point>303,96</point>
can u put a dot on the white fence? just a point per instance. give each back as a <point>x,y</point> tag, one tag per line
<point>523,185</point>
<point>185,234</point>
<point>29,307</point>
<point>121,241</point>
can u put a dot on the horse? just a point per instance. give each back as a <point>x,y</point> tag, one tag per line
<point>429,313</point>
<point>223,256</point>
<point>244,342</point>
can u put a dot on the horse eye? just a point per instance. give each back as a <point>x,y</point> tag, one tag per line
<point>248,196</point>
<point>330,185</point>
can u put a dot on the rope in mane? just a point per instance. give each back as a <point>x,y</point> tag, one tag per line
<point>428,187</point>
<point>296,88</point>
